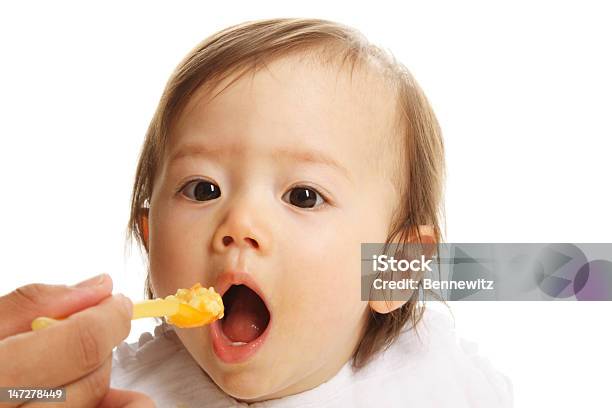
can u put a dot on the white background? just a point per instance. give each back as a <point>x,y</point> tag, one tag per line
<point>522,92</point>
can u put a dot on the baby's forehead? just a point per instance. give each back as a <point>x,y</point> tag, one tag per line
<point>301,99</point>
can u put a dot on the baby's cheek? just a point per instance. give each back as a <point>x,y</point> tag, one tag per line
<point>330,313</point>
<point>321,302</point>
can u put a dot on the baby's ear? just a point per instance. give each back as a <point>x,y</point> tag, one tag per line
<point>143,223</point>
<point>427,235</point>
<point>384,307</point>
<point>428,238</point>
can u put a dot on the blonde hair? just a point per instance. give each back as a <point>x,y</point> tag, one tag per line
<point>243,48</point>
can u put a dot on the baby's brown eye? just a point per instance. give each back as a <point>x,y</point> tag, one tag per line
<point>201,190</point>
<point>304,197</point>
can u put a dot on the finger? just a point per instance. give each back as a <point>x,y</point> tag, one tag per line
<point>67,350</point>
<point>126,399</point>
<point>26,303</point>
<point>85,392</point>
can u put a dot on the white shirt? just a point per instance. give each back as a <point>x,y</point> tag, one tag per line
<point>433,369</point>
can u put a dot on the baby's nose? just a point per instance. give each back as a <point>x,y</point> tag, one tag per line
<point>243,230</point>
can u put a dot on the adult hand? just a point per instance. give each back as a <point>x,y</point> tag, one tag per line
<point>74,353</point>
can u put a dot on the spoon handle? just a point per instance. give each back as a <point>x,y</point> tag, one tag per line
<point>146,308</point>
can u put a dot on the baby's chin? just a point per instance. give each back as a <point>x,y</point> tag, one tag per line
<point>259,378</point>
<point>282,367</point>
<point>273,372</point>
<point>248,385</point>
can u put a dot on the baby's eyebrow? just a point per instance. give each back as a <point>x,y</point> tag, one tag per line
<point>311,156</point>
<point>306,156</point>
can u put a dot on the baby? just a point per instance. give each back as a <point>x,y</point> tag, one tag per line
<point>278,147</point>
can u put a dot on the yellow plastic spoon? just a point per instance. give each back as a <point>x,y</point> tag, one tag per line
<point>188,308</point>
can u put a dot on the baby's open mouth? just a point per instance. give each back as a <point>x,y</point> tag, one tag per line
<point>246,315</point>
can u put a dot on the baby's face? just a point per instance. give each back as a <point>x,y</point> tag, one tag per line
<point>270,187</point>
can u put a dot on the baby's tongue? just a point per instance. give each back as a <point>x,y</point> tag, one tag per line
<point>246,318</point>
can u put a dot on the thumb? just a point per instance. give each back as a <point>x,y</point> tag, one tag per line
<point>125,399</point>
<point>26,303</point>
